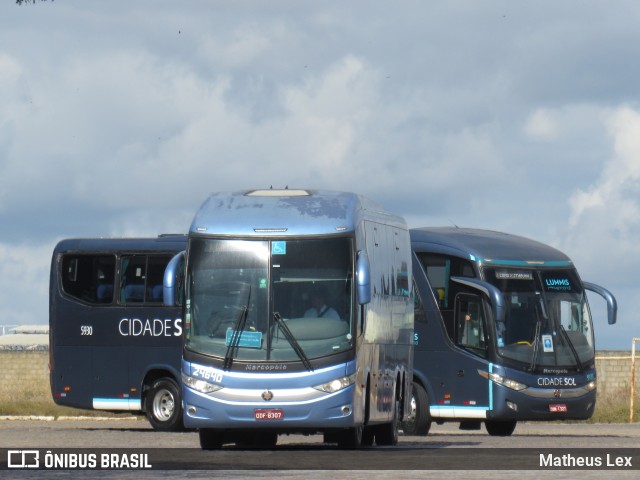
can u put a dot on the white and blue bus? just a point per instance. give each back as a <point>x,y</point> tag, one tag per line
<point>114,345</point>
<point>503,332</point>
<point>298,318</point>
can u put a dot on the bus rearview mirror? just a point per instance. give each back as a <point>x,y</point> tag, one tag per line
<point>363,278</point>
<point>171,279</point>
<point>612,304</point>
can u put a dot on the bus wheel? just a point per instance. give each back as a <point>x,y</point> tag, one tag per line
<point>387,434</point>
<point>368,435</point>
<point>210,439</point>
<point>418,422</point>
<point>496,428</point>
<point>163,405</point>
<point>351,438</point>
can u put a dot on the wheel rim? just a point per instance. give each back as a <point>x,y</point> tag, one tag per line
<point>411,417</point>
<point>163,405</point>
<point>414,409</point>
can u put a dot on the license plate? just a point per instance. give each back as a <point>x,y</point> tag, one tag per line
<point>558,408</point>
<point>268,414</point>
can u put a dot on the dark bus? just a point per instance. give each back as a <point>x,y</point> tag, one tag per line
<point>503,332</point>
<point>114,345</point>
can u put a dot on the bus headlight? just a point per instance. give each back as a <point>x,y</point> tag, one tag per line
<point>337,384</point>
<point>500,380</point>
<point>199,385</point>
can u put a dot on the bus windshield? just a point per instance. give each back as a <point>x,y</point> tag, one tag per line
<point>547,321</point>
<point>266,300</point>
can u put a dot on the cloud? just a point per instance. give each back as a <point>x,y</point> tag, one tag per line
<point>603,227</point>
<point>24,266</point>
<point>541,125</point>
<point>616,194</point>
<point>120,122</point>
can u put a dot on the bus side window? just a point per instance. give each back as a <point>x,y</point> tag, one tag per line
<point>89,278</point>
<point>440,269</point>
<point>470,323</point>
<point>418,309</point>
<point>142,278</point>
<point>155,273</point>
<point>132,283</point>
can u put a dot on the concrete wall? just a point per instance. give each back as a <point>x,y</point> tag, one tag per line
<point>20,366</point>
<point>614,371</point>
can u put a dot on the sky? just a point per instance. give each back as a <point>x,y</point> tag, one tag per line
<point>119,118</point>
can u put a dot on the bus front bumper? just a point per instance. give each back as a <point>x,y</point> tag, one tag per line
<point>318,413</point>
<point>542,404</point>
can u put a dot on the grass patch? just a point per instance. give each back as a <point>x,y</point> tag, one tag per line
<point>613,407</point>
<point>36,399</point>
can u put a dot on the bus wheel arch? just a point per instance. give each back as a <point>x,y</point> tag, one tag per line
<point>163,403</point>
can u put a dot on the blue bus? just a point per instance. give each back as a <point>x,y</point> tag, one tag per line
<point>114,345</point>
<point>298,318</point>
<point>503,332</point>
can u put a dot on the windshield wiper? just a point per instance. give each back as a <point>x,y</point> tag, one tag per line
<point>536,345</point>
<point>536,338</point>
<point>238,328</point>
<point>292,341</point>
<point>573,349</point>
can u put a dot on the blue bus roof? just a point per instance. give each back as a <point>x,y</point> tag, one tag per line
<point>286,212</point>
<point>487,247</point>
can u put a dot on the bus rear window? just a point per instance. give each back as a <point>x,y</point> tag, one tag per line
<point>89,278</point>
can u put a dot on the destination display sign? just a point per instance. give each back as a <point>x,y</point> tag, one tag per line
<point>514,275</point>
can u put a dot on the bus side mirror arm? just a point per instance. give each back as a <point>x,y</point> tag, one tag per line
<point>363,278</point>
<point>170,280</point>
<point>612,304</point>
<point>491,291</point>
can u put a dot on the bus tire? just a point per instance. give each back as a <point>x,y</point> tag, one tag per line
<point>368,436</point>
<point>163,405</point>
<point>387,434</point>
<point>418,422</point>
<point>497,428</point>
<point>351,438</point>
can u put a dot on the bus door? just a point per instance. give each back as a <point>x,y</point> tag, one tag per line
<point>470,391</point>
<point>459,391</point>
